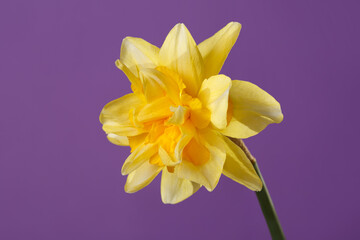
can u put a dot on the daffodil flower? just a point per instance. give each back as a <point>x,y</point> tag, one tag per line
<point>178,119</point>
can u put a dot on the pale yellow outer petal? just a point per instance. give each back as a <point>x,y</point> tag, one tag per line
<point>215,49</point>
<point>180,54</point>
<point>253,109</point>
<point>136,53</point>
<point>140,155</point>
<point>123,130</point>
<point>119,109</point>
<point>175,189</point>
<point>136,86</point>
<point>115,116</point>
<point>214,94</point>
<point>141,177</point>
<point>207,174</point>
<point>239,168</point>
<point>118,140</point>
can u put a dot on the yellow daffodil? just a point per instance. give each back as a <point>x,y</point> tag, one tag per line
<point>178,119</point>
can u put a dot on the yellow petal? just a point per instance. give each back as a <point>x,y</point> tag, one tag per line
<point>196,153</point>
<point>245,124</point>
<point>174,83</point>
<point>141,154</point>
<point>122,130</point>
<point>180,115</point>
<point>156,84</point>
<point>200,116</point>
<point>152,88</point>
<point>141,177</point>
<point>253,109</point>
<point>116,116</point>
<point>175,189</point>
<point>137,53</point>
<point>135,81</point>
<point>155,110</point>
<point>239,168</point>
<point>187,133</point>
<point>207,174</point>
<point>215,49</point>
<point>179,53</point>
<point>118,140</point>
<point>119,109</point>
<point>135,141</point>
<point>167,159</point>
<point>214,94</point>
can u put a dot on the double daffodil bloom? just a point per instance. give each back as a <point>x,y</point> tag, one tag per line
<point>178,119</point>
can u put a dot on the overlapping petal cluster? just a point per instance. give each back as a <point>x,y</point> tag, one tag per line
<point>178,119</point>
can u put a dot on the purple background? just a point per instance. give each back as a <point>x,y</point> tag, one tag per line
<point>60,177</point>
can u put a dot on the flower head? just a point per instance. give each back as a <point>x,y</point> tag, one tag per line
<point>178,119</point>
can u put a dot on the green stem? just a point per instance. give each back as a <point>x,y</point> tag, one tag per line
<point>268,209</point>
<point>264,198</point>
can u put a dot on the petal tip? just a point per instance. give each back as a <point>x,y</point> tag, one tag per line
<point>127,190</point>
<point>124,170</point>
<point>234,27</point>
<point>258,187</point>
<point>119,64</point>
<point>236,24</point>
<point>127,39</point>
<point>179,26</point>
<point>166,201</point>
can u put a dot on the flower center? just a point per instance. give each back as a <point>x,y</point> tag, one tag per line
<point>165,115</point>
<point>170,138</point>
<point>166,136</point>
